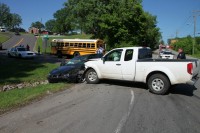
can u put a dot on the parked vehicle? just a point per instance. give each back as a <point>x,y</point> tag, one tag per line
<point>17,33</point>
<point>166,55</point>
<point>71,70</point>
<point>2,29</point>
<point>20,52</point>
<point>136,64</point>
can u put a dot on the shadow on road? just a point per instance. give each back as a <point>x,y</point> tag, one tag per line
<point>125,83</point>
<point>183,89</point>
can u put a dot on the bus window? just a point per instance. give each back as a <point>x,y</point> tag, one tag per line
<point>88,45</point>
<point>80,45</point>
<point>93,45</point>
<point>76,45</point>
<point>71,44</point>
<point>84,45</point>
<point>67,44</point>
<point>62,44</point>
<point>58,44</point>
<point>53,44</point>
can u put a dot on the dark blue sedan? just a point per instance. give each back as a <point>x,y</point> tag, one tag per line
<point>71,70</point>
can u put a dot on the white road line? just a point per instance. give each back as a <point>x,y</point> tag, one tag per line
<point>34,48</point>
<point>125,117</point>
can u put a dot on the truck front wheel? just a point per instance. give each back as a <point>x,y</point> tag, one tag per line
<point>91,77</point>
<point>158,84</point>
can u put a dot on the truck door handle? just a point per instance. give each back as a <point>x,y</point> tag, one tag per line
<point>118,64</point>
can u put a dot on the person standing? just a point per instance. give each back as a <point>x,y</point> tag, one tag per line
<point>100,50</point>
<point>1,46</point>
<point>27,47</point>
<point>181,54</point>
<point>38,49</point>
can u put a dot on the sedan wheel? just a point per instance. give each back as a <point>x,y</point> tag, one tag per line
<point>80,79</point>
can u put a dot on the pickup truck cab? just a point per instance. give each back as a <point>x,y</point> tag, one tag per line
<point>136,64</point>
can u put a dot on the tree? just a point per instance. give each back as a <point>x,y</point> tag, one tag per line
<point>118,22</point>
<point>4,13</point>
<point>37,24</point>
<point>16,21</point>
<point>64,21</point>
<point>8,19</point>
<point>50,24</point>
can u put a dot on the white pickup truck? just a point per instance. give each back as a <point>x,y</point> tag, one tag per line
<point>136,64</point>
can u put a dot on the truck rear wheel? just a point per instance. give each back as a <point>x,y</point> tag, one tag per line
<point>158,84</point>
<point>91,77</point>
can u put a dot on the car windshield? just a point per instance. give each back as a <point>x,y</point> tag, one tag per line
<point>77,60</point>
<point>168,52</point>
<point>21,49</point>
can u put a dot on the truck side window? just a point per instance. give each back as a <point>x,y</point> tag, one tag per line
<point>114,55</point>
<point>144,53</point>
<point>128,55</point>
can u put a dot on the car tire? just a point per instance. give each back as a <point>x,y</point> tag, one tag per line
<point>80,79</point>
<point>91,77</point>
<point>158,84</point>
<point>76,54</point>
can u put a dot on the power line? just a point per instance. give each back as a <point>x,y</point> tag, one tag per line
<point>195,14</point>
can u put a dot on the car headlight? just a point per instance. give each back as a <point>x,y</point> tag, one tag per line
<point>66,75</point>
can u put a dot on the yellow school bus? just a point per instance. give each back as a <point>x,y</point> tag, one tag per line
<point>75,47</point>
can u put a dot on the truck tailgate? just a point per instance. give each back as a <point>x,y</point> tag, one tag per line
<point>196,68</point>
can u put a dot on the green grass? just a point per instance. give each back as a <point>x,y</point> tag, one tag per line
<point>20,97</point>
<point>15,71</point>
<point>23,70</point>
<point>4,36</point>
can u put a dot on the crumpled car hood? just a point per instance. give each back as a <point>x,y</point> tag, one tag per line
<point>62,69</point>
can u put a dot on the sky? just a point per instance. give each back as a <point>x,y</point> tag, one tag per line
<point>174,17</point>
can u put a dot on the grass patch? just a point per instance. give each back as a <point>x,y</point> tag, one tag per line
<point>20,97</point>
<point>4,36</point>
<point>196,55</point>
<point>23,70</point>
<point>14,71</point>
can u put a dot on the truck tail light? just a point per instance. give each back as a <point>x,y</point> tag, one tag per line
<point>190,68</point>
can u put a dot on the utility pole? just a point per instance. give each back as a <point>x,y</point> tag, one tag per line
<point>195,14</point>
<point>176,33</point>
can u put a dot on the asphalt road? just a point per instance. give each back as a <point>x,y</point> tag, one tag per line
<point>22,39</point>
<point>108,107</point>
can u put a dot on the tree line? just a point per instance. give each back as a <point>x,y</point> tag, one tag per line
<point>187,43</point>
<point>9,20</point>
<point>117,22</point>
